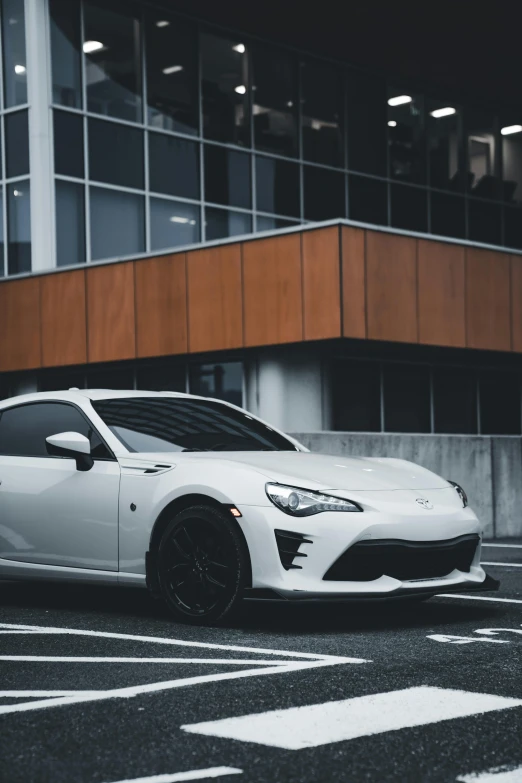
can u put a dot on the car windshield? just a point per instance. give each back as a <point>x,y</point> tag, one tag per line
<point>145,424</point>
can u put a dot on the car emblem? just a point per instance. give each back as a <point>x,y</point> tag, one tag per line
<point>424,503</point>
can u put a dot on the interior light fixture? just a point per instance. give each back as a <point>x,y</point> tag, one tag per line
<point>92,46</point>
<point>19,69</point>
<point>162,23</point>
<point>17,193</point>
<point>399,100</point>
<point>509,129</point>
<point>241,89</point>
<point>445,112</point>
<point>182,220</point>
<point>392,123</point>
<point>239,48</point>
<point>172,69</point>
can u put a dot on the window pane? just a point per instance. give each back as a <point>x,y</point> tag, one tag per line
<point>368,200</point>
<point>161,376</point>
<point>65,49</point>
<point>264,223</point>
<point>275,102</point>
<point>68,144</point>
<point>406,398</point>
<point>227,177</point>
<point>406,137</point>
<point>322,113</point>
<point>115,154</point>
<point>173,223</point>
<point>58,380</point>
<point>513,227</point>
<point>277,186</point>
<point>224,381</point>
<point>221,223</point>
<point>448,215</point>
<point>484,221</point>
<point>13,42</point>
<point>366,123</point>
<point>480,144</point>
<point>225,89</point>
<point>112,63</point>
<point>172,89</point>
<point>173,166</point>
<point>511,136</point>
<point>499,403</point>
<point>117,224</point>
<point>16,144</point>
<point>409,208</point>
<point>19,227</point>
<point>443,121</point>
<point>323,193</point>
<point>455,400</point>
<point>111,378</point>
<point>356,396</point>
<point>70,223</point>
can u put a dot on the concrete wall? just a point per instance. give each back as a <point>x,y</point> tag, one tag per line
<point>489,468</point>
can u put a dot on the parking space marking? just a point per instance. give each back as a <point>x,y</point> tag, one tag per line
<point>113,659</point>
<point>494,563</point>
<point>504,546</point>
<point>195,774</point>
<point>480,598</point>
<point>297,728</point>
<point>497,775</point>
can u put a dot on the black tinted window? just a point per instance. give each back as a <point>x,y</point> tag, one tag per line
<point>23,430</point>
<point>152,424</point>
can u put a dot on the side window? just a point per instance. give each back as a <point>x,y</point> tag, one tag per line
<point>23,429</point>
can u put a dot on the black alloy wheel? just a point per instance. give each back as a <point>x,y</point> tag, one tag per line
<point>203,565</point>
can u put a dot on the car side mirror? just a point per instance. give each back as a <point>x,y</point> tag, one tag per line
<point>71,444</point>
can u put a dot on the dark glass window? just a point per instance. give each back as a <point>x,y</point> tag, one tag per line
<point>172,89</point>
<point>444,155</point>
<point>227,177</point>
<point>68,144</point>
<point>111,378</point>
<point>368,200</point>
<point>277,186</point>
<point>448,215</point>
<point>406,140</point>
<point>275,102</point>
<point>223,380</point>
<point>173,166</point>
<point>115,154</point>
<point>454,400</point>
<point>23,430</point>
<point>481,154</point>
<point>173,223</point>
<point>117,223</point>
<point>112,63</point>
<point>511,135</point>
<point>366,123</point>
<point>58,380</point>
<point>180,424</point>
<point>19,227</point>
<point>161,376</point>
<point>323,194</point>
<point>499,394</point>
<point>484,221</point>
<point>409,207</point>
<point>13,44</point>
<point>322,114</point>
<point>356,396</point>
<point>406,398</point>
<point>225,89</point>
<point>221,223</point>
<point>264,223</point>
<point>65,49</point>
<point>513,227</point>
<point>70,223</point>
<point>16,144</point>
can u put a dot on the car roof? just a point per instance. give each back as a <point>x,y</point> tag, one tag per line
<point>74,395</point>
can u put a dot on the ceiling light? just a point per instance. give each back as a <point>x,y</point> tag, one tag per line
<point>17,193</point>
<point>19,68</point>
<point>178,219</point>
<point>392,124</point>
<point>162,23</point>
<point>239,48</point>
<point>241,89</point>
<point>509,129</point>
<point>92,46</point>
<point>445,112</point>
<point>399,100</point>
<point>172,69</point>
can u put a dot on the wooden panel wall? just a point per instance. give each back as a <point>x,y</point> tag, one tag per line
<point>442,306</point>
<point>161,306</point>
<point>20,347</point>
<point>353,266</point>
<point>516,303</point>
<point>63,321</point>
<point>111,327</point>
<point>488,300</point>
<point>321,284</point>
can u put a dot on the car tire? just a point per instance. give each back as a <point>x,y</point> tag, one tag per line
<point>203,566</point>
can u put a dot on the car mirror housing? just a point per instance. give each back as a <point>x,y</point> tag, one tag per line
<point>72,445</point>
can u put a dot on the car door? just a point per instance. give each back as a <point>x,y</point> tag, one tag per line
<point>50,512</point>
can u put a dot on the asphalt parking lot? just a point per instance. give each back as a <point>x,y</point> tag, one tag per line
<point>100,686</point>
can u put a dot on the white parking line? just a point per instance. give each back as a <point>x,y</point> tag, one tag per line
<point>504,546</point>
<point>497,775</point>
<point>480,598</point>
<point>510,565</point>
<point>113,659</point>
<point>41,694</point>
<point>195,774</point>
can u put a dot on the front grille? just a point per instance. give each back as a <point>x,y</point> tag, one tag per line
<point>404,560</point>
<point>287,544</point>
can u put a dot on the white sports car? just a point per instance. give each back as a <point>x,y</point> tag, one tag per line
<point>205,504</point>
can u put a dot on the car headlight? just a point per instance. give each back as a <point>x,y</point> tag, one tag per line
<point>460,492</point>
<point>303,502</point>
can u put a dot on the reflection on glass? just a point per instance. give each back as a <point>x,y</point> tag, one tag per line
<point>322,110</point>
<point>65,50</point>
<point>499,403</point>
<point>19,228</point>
<point>70,223</point>
<point>13,42</point>
<point>115,154</point>
<point>265,223</point>
<point>443,121</point>
<point>173,166</point>
<point>274,102</point>
<point>16,144</point>
<point>356,396</point>
<point>323,193</point>
<point>277,186</point>
<point>117,223</point>
<point>513,227</point>
<point>68,144</point>
<point>406,137</point>
<point>409,207</point>
<point>368,200</point>
<point>225,89</point>
<point>221,223</point>
<point>480,144</point>
<point>406,391</point>
<point>227,177</point>
<point>484,221</point>
<point>173,223</point>
<point>172,90</point>
<point>366,98</point>
<point>448,215</point>
<point>113,378</point>
<point>223,381</point>
<point>511,140</point>
<point>112,63</point>
<point>162,375</point>
<point>454,400</point>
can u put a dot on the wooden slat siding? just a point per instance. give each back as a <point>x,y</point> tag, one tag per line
<point>321,284</point>
<point>215,314</point>
<point>391,293</point>
<point>161,306</point>
<point>20,338</point>
<point>442,307</point>
<point>488,300</point>
<point>63,319</point>
<point>354,281</point>
<point>111,330</point>
<point>516,303</point>
<point>273,290</point>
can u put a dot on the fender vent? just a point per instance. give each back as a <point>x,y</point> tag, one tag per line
<point>157,468</point>
<point>134,468</point>
<point>288,544</point>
